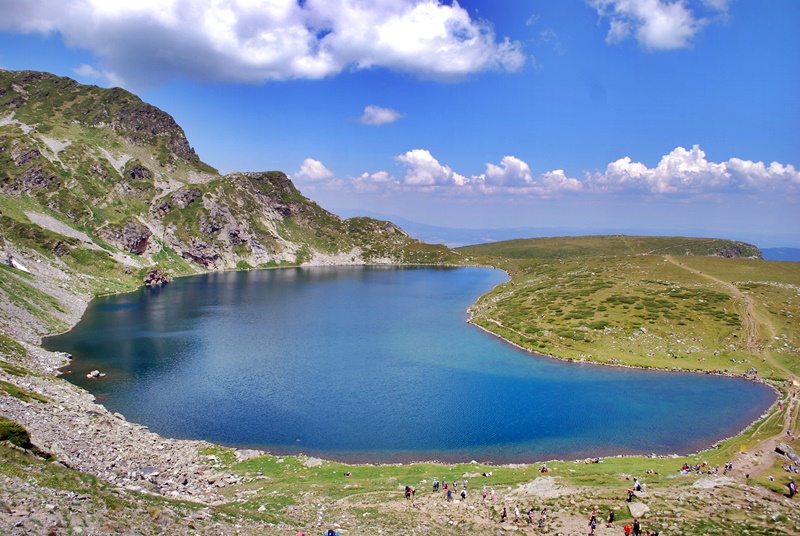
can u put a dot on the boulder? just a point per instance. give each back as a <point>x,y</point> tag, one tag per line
<point>638,509</point>
<point>786,450</point>
<point>155,278</point>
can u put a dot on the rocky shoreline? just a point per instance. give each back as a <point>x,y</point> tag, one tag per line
<point>83,435</point>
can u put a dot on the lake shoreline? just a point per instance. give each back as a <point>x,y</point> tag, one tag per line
<point>68,427</point>
<point>347,458</point>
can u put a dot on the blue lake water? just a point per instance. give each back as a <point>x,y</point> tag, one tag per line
<point>377,365</point>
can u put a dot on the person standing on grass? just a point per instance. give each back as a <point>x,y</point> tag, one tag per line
<point>610,522</point>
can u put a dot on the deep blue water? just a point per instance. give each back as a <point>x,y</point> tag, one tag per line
<point>377,364</point>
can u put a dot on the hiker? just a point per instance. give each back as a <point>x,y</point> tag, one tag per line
<point>504,515</point>
<point>449,495</point>
<point>543,517</point>
<point>530,516</point>
<point>627,529</point>
<point>516,514</point>
<point>463,494</point>
<point>484,493</point>
<point>637,528</point>
<point>631,495</point>
<point>435,484</point>
<point>610,522</point>
<point>792,488</point>
<point>592,526</point>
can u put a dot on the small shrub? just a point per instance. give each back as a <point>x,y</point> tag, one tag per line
<point>15,433</point>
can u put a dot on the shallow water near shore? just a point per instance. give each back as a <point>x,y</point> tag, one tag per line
<point>377,364</point>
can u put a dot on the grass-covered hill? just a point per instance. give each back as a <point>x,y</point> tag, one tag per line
<point>122,172</point>
<point>688,303</point>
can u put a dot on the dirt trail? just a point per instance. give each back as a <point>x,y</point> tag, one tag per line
<point>763,456</point>
<point>749,320</point>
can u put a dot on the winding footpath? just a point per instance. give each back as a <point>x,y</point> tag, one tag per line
<point>749,320</point>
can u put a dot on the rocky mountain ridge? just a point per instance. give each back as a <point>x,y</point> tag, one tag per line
<point>122,171</point>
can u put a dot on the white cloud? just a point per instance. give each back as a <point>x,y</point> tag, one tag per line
<point>655,24</point>
<point>425,170</point>
<point>374,182</point>
<point>556,182</point>
<point>511,172</point>
<point>376,116</point>
<point>313,171</point>
<point>148,41</point>
<point>688,171</point>
<point>682,172</point>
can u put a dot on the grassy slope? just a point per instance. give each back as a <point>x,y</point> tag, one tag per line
<point>637,301</point>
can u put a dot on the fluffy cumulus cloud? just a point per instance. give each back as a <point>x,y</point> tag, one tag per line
<point>313,171</point>
<point>688,171</point>
<point>146,41</point>
<point>656,24</point>
<point>511,172</point>
<point>679,173</point>
<point>424,170</point>
<point>376,116</point>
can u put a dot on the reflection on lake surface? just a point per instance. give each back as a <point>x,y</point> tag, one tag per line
<point>377,364</point>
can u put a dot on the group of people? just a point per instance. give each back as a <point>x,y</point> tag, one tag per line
<point>529,513</point>
<point>704,468</point>
<point>636,530</point>
<point>449,489</point>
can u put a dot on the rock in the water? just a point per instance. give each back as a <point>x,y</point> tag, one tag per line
<point>155,278</point>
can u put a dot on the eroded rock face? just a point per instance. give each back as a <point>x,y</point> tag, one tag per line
<point>201,253</point>
<point>735,251</point>
<point>33,172</point>
<point>182,198</point>
<point>133,237</point>
<point>140,173</point>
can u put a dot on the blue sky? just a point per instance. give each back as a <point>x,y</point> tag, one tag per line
<point>649,116</point>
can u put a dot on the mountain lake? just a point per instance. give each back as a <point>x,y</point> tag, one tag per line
<point>377,364</point>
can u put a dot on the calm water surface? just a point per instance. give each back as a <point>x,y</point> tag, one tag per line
<point>377,364</point>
